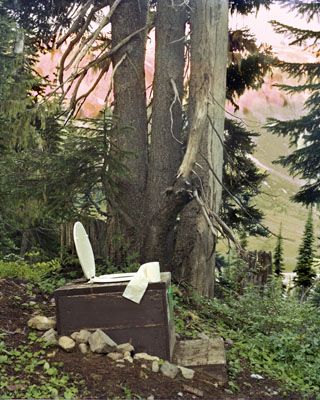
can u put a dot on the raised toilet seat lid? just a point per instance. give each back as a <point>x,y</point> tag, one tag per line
<point>86,258</point>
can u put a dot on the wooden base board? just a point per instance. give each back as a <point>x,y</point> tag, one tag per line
<point>205,355</point>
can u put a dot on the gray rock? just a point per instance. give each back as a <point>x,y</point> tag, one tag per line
<point>145,356</point>
<point>50,335</point>
<point>187,373</point>
<point>83,336</point>
<point>202,335</point>
<point>228,391</point>
<point>101,343</point>
<point>66,343</point>
<point>74,336</point>
<point>168,369</point>
<point>42,323</point>
<point>125,347</point>
<point>155,366</point>
<point>151,397</point>
<point>128,358</point>
<point>115,356</point>
<point>229,342</point>
<point>83,348</point>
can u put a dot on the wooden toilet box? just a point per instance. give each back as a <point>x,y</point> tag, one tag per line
<point>148,326</point>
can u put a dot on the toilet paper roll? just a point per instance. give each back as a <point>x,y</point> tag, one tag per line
<point>149,272</point>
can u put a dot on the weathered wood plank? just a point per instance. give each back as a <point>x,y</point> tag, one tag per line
<point>200,352</point>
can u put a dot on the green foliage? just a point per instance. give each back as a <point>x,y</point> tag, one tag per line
<point>248,6</point>
<point>304,159</point>
<point>305,261</point>
<point>242,178</point>
<point>46,275</point>
<point>278,264</point>
<point>54,383</point>
<point>277,335</point>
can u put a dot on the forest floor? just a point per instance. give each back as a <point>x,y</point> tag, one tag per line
<point>31,369</point>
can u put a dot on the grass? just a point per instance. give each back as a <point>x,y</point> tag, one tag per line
<point>279,187</point>
<point>276,336</point>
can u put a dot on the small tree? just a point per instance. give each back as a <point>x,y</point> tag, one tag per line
<point>278,264</point>
<point>304,270</point>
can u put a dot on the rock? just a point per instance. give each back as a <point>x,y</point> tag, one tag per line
<point>256,376</point>
<point>143,375</point>
<point>228,391</point>
<point>187,373</point>
<point>83,336</point>
<point>42,323</point>
<point>101,343</point>
<point>202,335</point>
<point>145,356</point>
<point>168,369</point>
<point>120,361</point>
<point>83,348</point>
<point>66,343</point>
<point>114,356</point>
<point>50,335</point>
<point>125,347</point>
<point>155,366</point>
<point>129,359</point>
<point>195,391</point>
<point>127,354</point>
<point>74,336</point>
<point>144,366</point>
<point>120,365</point>
<point>151,397</point>
<point>229,342</point>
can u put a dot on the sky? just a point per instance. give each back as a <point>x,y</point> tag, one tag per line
<point>262,29</point>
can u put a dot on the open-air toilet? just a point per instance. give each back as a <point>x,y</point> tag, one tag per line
<point>108,302</point>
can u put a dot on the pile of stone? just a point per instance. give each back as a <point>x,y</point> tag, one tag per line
<point>99,342</point>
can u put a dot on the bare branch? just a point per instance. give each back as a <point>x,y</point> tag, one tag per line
<point>74,42</point>
<point>113,72</point>
<point>84,48</point>
<point>176,98</point>
<point>74,26</point>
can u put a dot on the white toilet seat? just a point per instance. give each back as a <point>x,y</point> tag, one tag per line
<point>86,258</point>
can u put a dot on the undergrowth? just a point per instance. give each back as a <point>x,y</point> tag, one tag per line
<point>275,334</point>
<point>29,374</point>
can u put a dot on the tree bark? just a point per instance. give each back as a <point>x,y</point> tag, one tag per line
<point>130,109</point>
<point>165,146</point>
<point>195,247</point>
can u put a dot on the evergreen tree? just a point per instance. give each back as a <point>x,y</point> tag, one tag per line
<point>242,180</point>
<point>304,267</point>
<point>305,159</point>
<point>278,264</point>
<point>248,64</point>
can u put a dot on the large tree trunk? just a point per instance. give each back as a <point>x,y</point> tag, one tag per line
<point>195,248</point>
<point>165,146</point>
<point>130,108</point>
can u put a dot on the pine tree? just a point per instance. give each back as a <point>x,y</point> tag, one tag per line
<point>304,267</point>
<point>242,180</point>
<point>304,160</point>
<point>278,263</point>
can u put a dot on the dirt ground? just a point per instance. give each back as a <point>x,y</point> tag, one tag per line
<point>103,379</point>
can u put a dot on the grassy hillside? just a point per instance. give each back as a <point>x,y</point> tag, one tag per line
<point>278,188</point>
